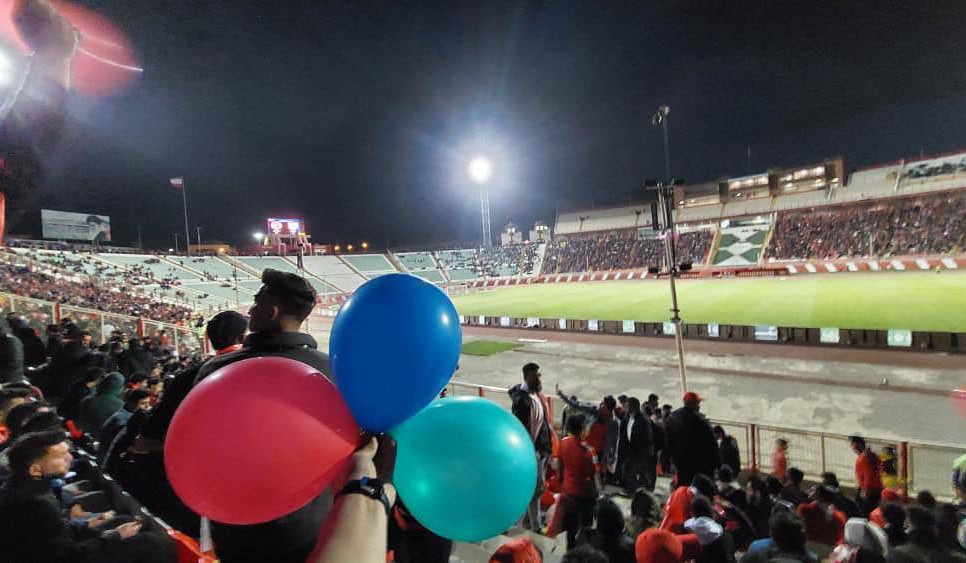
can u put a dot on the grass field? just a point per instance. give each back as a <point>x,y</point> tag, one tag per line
<point>924,301</point>
<point>488,347</point>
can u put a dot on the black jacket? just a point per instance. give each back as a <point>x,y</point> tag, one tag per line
<point>34,350</point>
<point>135,360</point>
<point>11,358</point>
<point>728,451</point>
<point>292,345</point>
<point>520,405</point>
<point>641,444</point>
<point>32,530</point>
<point>66,366</point>
<point>692,445</point>
<point>290,538</point>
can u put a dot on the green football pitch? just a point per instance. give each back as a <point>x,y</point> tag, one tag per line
<point>922,301</point>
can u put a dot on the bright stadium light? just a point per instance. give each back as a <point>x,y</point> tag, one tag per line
<point>6,69</point>
<point>480,169</point>
<point>257,236</point>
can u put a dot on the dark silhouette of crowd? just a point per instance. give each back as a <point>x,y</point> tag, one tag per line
<point>920,225</point>
<point>621,250</point>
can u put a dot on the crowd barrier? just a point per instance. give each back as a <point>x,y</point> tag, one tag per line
<point>100,324</point>
<point>922,465</point>
<point>893,339</point>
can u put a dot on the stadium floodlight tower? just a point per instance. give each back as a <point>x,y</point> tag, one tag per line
<point>663,213</point>
<point>480,171</point>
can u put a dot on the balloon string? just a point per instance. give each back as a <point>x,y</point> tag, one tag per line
<point>110,62</point>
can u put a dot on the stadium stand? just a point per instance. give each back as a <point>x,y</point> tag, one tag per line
<point>151,266</point>
<point>258,263</point>
<point>417,261</point>
<point>607,219</point>
<point>20,280</point>
<point>333,271</point>
<point>621,250</point>
<point>370,265</point>
<point>927,224</point>
<point>512,260</point>
<point>421,264</point>
<point>741,241</point>
<point>69,261</point>
<point>213,268</point>
<point>460,264</point>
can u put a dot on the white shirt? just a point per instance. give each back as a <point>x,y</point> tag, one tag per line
<point>630,427</point>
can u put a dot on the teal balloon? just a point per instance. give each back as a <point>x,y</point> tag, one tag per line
<point>465,468</point>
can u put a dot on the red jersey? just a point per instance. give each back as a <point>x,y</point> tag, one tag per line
<point>677,509</point>
<point>597,436</point>
<point>779,463</point>
<point>823,525</point>
<point>578,465</point>
<point>867,471</point>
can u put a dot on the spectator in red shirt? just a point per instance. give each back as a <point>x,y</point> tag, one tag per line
<point>677,509</point>
<point>579,478</point>
<point>823,522</point>
<point>779,459</point>
<point>867,468</point>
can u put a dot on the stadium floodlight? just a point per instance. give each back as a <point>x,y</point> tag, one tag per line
<point>257,236</point>
<point>7,69</point>
<point>480,169</point>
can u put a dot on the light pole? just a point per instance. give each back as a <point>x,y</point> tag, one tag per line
<point>661,118</point>
<point>665,202</point>
<point>177,249</point>
<point>480,170</point>
<point>179,183</point>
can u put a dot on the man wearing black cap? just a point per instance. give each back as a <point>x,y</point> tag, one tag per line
<point>690,440</point>
<point>281,305</point>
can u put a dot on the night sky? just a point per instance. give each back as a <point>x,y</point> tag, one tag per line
<point>360,117</point>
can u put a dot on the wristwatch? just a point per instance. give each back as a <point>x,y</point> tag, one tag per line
<point>372,488</point>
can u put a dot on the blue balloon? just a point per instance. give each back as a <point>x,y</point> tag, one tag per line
<point>465,467</point>
<point>394,345</point>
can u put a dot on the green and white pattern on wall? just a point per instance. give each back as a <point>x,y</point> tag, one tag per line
<point>741,242</point>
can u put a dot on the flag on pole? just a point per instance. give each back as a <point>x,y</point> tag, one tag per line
<point>177,183</point>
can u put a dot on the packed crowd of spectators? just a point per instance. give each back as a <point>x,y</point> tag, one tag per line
<point>929,224</point>
<point>122,299</point>
<point>621,250</point>
<point>717,510</point>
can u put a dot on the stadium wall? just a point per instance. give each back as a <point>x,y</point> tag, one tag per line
<point>769,334</point>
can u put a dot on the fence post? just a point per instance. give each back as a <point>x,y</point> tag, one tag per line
<point>821,439</point>
<point>904,467</point>
<point>479,390</point>
<point>754,448</point>
<point>141,327</point>
<point>57,312</point>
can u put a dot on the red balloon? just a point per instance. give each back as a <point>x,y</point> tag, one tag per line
<point>258,439</point>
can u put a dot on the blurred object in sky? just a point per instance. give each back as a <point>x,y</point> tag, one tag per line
<point>104,64</point>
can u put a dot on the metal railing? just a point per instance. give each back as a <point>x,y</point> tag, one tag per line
<point>922,465</point>
<point>100,324</point>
